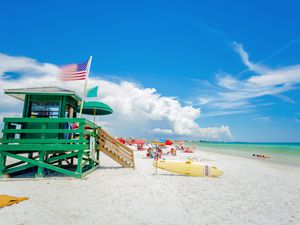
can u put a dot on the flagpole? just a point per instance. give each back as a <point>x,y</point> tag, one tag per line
<point>85,84</point>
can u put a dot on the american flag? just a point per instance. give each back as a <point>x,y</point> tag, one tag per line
<point>74,71</point>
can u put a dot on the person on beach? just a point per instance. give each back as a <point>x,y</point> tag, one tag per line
<point>149,153</point>
<point>261,156</point>
<point>159,151</point>
<point>173,151</point>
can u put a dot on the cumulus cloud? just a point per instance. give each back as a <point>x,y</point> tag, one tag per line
<point>144,108</point>
<point>162,131</point>
<point>25,66</point>
<point>236,94</point>
<point>138,111</point>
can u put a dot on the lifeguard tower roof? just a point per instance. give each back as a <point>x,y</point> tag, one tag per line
<point>20,93</point>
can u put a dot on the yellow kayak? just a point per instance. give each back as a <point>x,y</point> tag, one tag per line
<point>189,168</point>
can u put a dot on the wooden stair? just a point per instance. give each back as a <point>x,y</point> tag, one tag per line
<point>115,149</point>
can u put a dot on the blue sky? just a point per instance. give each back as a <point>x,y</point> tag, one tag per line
<point>190,50</point>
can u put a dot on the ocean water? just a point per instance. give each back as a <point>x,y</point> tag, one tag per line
<point>286,153</point>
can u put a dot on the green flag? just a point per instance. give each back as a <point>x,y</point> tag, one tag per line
<point>93,92</point>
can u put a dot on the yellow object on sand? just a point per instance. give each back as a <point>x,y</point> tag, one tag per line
<point>189,168</point>
<point>159,143</point>
<point>6,200</point>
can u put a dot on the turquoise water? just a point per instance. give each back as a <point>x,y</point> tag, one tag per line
<point>287,153</point>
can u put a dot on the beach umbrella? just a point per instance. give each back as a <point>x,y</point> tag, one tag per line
<point>168,142</point>
<point>121,140</point>
<point>95,108</point>
<point>139,142</point>
<point>158,143</point>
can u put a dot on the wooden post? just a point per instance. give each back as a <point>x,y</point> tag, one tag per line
<point>79,162</point>
<point>80,152</point>
<point>40,172</point>
<point>98,144</point>
<point>2,164</point>
<point>72,161</point>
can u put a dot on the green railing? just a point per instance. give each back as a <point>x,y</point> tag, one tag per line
<point>49,143</point>
<point>30,134</point>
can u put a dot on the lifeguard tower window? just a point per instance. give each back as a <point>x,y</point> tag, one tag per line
<point>44,109</point>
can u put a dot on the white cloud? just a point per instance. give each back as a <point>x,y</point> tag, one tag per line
<point>225,112</point>
<point>137,110</point>
<point>145,108</point>
<point>286,98</point>
<point>25,66</point>
<point>162,131</point>
<point>284,76</point>
<point>237,94</point>
<point>245,58</point>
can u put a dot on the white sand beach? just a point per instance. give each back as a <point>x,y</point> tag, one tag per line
<point>250,192</point>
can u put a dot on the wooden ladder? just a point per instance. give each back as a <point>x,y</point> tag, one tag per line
<point>115,149</point>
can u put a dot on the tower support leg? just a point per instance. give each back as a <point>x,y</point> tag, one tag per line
<point>40,171</point>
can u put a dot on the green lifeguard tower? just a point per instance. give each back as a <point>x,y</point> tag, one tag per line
<point>49,136</point>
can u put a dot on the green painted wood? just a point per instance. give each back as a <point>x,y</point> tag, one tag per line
<point>30,155</point>
<point>60,157</point>
<point>4,137</point>
<point>91,133</point>
<point>89,171</point>
<point>46,147</point>
<point>44,98</point>
<point>25,106</point>
<point>62,106</point>
<point>2,164</point>
<point>19,168</point>
<point>43,164</point>
<point>40,171</point>
<point>79,162</point>
<point>16,167</point>
<point>45,136</point>
<point>86,161</point>
<point>44,126</point>
<point>44,120</point>
<point>90,124</point>
<point>41,131</point>
<point>45,141</point>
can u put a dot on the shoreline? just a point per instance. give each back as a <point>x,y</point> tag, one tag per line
<point>262,160</point>
<point>277,158</point>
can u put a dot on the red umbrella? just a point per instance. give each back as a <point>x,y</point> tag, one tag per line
<point>121,140</point>
<point>139,142</point>
<point>169,142</point>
